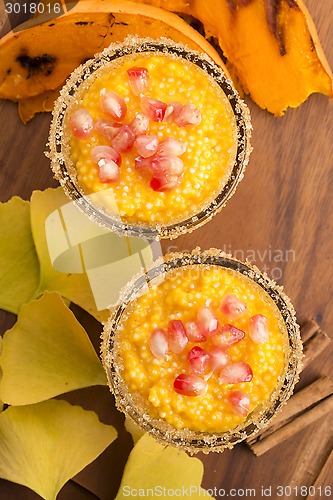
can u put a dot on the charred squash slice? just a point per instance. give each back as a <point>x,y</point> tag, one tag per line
<point>40,57</point>
<point>272,45</point>
<point>27,108</point>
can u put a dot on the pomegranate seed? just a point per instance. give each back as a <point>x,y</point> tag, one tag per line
<point>171,145</point>
<point>228,335</point>
<point>108,171</point>
<point>177,336</point>
<point>140,124</point>
<point>198,359</point>
<point>107,129</point>
<point>113,104</point>
<point>162,164</point>
<point>153,108</point>
<point>232,307</point>
<point>165,183</point>
<point>218,358</point>
<point>146,145</point>
<point>81,124</point>
<point>207,321</point>
<point>124,140</point>
<point>240,403</point>
<point>172,111</point>
<point>188,115</point>
<point>105,153</point>
<point>158,343</point>
<point>139,80</point>
<point>258,329</point>
<point>190,385</point>
<point>142,164</point>
<point>193,332</point>
<point>235,373</point>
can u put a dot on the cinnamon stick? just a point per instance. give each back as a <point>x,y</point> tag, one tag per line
<point>323,477</point>
<point>315,341</point>
<point>308,329</point>
<point>299,403</point>
<point>286,431</point>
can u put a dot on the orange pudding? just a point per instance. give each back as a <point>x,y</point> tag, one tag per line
<point>160,135</point>
<point>205,349</point>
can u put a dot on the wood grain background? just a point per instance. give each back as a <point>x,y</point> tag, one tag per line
<point>283,208</point>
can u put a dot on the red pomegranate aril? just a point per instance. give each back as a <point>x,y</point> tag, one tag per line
<point>81,124</point>
<point>124,140</point>
<point>165,183</point>
<point>258,329</point>
<point>142,164</point>
<point>113,104</point>
<point>172,111</point>
<point>171,145</point>
<point>232,307</point>
<point>218,358</point>
<point>158,343</point>
<point>107,128</point>
<point>146,145</point>
<point>105,153</point>
<point>166,164</point>
<point>236,373</point>
<point>139,80</point>
<point>153,108</point>
<point>228,335</point>
<point>188,115</point>
<point>198,360</point>
<point>140,124</point>
<point>193,332</point>
<point>207,321</point>
<point>108,171</point>
<point>177,336</point>
<point>190,385</point>
<point>240,403</point>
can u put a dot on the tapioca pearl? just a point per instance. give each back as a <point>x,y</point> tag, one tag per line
<point>154,400</point>
<point>178,423</point>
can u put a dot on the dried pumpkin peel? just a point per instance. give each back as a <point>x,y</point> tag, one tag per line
<point>272,45</point>
<point>27,108</point>
<point>40,57</point>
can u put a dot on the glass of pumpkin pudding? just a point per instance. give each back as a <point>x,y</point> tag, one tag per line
<point>202,350</point>
<point>150,138</point>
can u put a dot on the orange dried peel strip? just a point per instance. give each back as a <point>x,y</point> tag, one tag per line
<point>273,47</point>
<point>27,108</point>
<point>41,57</point>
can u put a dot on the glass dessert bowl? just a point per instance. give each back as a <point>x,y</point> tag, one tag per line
<point>202,350</point>
<point>149,138</point>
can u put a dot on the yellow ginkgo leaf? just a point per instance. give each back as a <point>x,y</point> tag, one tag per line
<point>1,403</point>
<point>19,267</point>
<point>155,470</point>
<point>46,353</point>
<point>133,429</point>
<point>73,286</point>
<point>43,445</point>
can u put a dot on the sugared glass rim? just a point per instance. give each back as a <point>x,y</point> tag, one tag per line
<point>65,172</point>
<point>260,417</point>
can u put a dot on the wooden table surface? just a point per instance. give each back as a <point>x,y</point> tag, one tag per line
<point>281,218</point>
